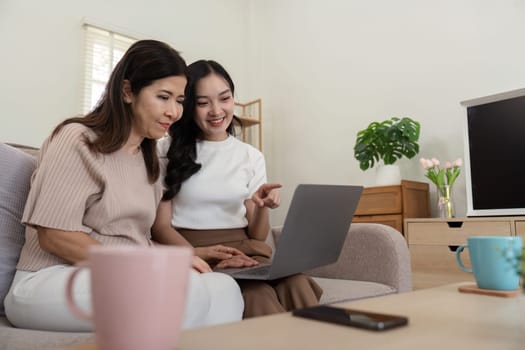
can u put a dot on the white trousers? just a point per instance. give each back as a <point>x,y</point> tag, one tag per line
<point>37,300</point>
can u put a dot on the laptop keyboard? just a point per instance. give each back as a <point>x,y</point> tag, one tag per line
<point>261,270</point>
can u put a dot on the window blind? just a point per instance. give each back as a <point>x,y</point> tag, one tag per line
<point>103,49</point>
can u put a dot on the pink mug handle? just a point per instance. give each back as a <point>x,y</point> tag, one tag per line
<point>78,312</point>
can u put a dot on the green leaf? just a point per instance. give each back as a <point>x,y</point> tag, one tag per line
<point>388,140</point>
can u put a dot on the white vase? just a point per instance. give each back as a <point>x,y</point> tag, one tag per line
<point>388,175</point>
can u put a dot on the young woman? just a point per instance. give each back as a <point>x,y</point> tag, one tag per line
<point>217,198</point>
<point>97,183</point>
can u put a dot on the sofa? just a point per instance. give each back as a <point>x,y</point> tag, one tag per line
<point>374,261</point>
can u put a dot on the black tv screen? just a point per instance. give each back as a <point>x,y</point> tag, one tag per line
<point>496,156</point>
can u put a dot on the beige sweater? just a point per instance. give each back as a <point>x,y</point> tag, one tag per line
<point>107,196</point>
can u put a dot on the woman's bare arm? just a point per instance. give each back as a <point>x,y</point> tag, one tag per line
<point>258,220</point>
<point>162,231</point>
<point>257,214</point>
<point>71,246</point>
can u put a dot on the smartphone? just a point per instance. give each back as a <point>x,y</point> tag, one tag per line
<point>353,318</point>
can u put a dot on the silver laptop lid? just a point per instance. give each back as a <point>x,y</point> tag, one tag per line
<point>315,227</point>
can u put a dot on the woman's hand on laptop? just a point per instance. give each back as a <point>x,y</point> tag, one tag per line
<point>217,252</point>
<point>237,261</point>
<point>200,265</point>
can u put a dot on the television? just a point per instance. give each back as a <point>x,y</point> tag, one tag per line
<point>495,154</point>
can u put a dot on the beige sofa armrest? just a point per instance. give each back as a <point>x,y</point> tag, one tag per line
<point>371,252</point>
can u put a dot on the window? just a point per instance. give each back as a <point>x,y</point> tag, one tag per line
<point>103,50</point>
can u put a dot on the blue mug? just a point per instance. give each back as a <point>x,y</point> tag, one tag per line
<point>494,261</point>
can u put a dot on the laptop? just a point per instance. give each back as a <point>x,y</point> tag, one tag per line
<point>313,233</point>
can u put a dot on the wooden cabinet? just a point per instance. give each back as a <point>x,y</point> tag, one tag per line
<point>519,225</point>
<point>390,205</point>
<point>433,242</point>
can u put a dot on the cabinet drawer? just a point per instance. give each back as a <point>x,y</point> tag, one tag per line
<point>395,221</point>
<point>454,232</point>
<point>434,265</point>
<point>520,228</point>
<point>380,200</point>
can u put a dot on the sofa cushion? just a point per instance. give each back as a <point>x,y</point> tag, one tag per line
<point>17,168</point>
<point>27,339</point>
<point>339,290</point>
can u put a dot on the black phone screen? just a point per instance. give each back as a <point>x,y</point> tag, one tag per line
<point>354,318</point>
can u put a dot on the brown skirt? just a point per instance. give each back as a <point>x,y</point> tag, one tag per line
<point>260,297</point>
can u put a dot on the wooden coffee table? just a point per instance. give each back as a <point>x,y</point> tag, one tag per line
<point>439,318</point>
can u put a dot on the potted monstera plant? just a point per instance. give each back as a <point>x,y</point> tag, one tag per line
<point>383,143</point>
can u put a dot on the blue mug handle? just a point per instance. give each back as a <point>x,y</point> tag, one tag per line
<point>458,257</point>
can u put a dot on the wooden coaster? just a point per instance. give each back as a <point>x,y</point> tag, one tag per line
<point>473,288</point>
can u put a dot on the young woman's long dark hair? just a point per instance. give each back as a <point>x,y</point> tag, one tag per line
<point>182,152</point>
<point>111,119</point>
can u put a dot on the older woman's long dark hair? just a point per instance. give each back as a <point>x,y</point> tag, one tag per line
<point>112,119</point>
<point>182,152</point>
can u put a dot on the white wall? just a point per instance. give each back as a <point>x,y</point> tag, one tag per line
<point>324,68</point>
<point>41,48</point>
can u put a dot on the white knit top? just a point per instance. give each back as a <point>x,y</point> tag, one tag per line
<point>213,198</point>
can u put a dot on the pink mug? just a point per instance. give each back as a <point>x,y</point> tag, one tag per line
<point>138,295</point>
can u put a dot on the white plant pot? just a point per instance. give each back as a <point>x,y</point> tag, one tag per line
<point>388,175</point>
